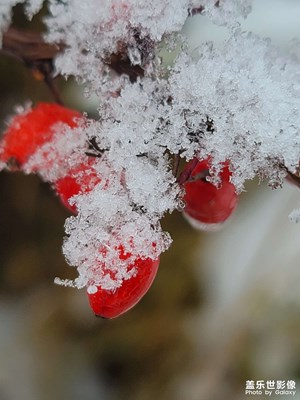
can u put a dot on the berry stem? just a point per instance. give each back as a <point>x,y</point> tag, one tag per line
<point>53,89</point>
<point>186,173</point>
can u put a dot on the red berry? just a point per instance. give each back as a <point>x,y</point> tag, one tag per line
<point>112,303</point>
<point>31,129</point>
<point>79,180</point>
<point>206,203</point>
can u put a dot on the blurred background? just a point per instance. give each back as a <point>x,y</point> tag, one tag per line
<point>224,308</point>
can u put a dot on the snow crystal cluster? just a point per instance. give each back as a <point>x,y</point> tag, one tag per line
<point>239,101</point>
<point>252,96</point>
<point>97,33</point>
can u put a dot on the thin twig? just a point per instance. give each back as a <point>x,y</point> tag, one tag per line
<point>176,165</point>
<point>295,179</point>
<point>30,48</point>
<point>27,46</point>
<point>292,178</point>
<point>53,89</point>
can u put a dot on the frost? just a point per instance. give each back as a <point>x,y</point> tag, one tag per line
<point>33,7</point>
<point>251,100</point>
<point>226,12</point>
<point>216,103</point>
<point>124,208</point>
<point>63,153</point>
<point>106,221</point>
<point>295,216</point>
<point>96,31</point>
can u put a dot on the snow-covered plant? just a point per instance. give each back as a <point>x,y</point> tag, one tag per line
<point>234,107</point>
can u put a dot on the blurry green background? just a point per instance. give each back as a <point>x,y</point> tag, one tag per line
<point>224,308</point>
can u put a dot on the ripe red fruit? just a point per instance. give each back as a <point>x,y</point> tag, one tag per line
<point>208,206</point>
<point>79,180</point>
<point>31,129</point>
<point>112,303</point>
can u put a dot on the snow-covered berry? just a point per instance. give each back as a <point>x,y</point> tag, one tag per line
<point>29,130</point>
<point>208,206</point>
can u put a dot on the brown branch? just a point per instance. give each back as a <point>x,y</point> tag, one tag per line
<point>122,65</point>
<point>31,49</point>
<point>28,47</point>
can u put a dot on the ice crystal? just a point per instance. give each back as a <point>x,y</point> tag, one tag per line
<point>97,31</point>
<point>295,216</point>
<point>56,158</point>
<point>32,7</point>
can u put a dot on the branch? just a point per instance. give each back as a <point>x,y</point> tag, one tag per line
<point>28,47</point>
<point>31,49</point>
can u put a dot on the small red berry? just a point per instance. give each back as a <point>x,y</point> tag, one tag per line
<point>112,303</point>
<point>204,202</point>
<point>79,180</point>
<point>31,129</point>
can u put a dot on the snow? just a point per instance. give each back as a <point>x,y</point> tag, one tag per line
<point>253,101</point>
<point>96,30</point>
<point>295,216</point>
<point>237,100</point>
